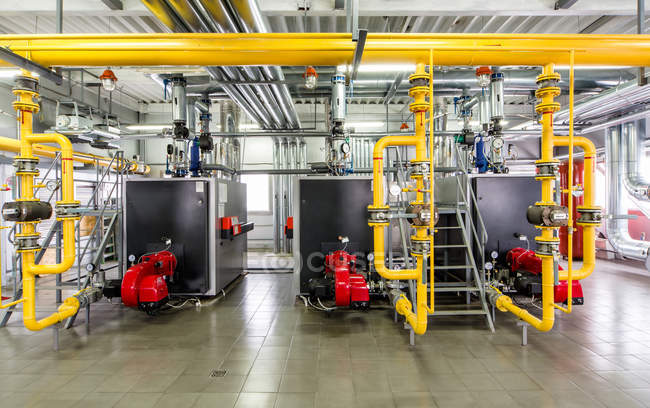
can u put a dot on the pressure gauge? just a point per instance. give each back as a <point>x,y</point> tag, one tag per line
<point>371,257</point>
<point>488,266</point>
<point>497,143</point>
<point>131,258</point>
<point>345,148</point>
<point>494,255</point>
<point>90,267</point>
<point>52,185</point>
<point>394,189</point>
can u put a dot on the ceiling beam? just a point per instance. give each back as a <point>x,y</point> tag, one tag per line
<point>564,4</point>
<point>114,4</point>
<point>600,22</point>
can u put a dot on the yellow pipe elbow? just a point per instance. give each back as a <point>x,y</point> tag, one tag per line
<point>380,264</point>
<point>68,309</point>
<point>504,303</point>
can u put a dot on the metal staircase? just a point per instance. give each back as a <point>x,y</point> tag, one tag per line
<point>98,248</point>
<point>468,238</point>
<point>463,236</point>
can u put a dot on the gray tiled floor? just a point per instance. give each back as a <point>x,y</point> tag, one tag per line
<point>280,355</point>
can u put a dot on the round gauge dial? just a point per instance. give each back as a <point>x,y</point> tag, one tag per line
<point>488,266</point>
<point>497,143</point>
<point>131,258</point>
<point>494,254</point>
<point>371,257</point>
<point>394,189</point>
<point>345,148</point>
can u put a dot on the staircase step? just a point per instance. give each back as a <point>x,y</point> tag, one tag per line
<point>446,267</point>
<point>459,312</point>
<point>437,289</point>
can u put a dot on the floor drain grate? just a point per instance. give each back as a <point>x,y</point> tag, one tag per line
<point>217,373</point>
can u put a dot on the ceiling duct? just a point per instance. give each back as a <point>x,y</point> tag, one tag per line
<point>257,101</point>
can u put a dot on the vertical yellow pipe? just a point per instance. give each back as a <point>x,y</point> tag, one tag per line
<point>504,303</point>
<point>431,187</point>
<point>25,107</point>
<point>570,191</point>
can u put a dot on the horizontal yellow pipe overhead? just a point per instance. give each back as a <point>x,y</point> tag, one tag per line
<point>8,144</point>
<point>327,49</point>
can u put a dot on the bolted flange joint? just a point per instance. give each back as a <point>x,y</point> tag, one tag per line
<point>546,170</point>
<point>420,168</point>
<point>547,247</point>
<point>589,216</point>
<point>420,246</point>
<point>27,242</point>
<point>67,210</point>
<point>26,165</point>
<point>378,216</point>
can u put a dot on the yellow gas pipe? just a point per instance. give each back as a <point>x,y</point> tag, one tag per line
<point>418,319</point>
<point>303,49</point>
<point>547,238</point>
<point>13,145</point>
<point>26,107</point>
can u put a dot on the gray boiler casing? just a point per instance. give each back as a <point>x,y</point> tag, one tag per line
<point>187,210</point>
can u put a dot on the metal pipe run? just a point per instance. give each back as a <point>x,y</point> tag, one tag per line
<point>617,224</point>
<point>633,133</point>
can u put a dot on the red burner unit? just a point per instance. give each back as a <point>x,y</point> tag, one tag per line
<point>144,286</point>
<point>350,288</point>
<point>525,260</point>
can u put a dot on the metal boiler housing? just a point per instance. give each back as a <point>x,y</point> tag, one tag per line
<point>187,211</point>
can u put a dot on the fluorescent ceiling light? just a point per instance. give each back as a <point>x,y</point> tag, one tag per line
<point>248,126</point>
<point>355,125</point>
<point>114,130</point>
<point>147,127</point>
<point>9,73</point>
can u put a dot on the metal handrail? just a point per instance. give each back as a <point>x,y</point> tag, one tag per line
<point>101,181</point>
<point>47,173</point>
<point>471,202</point>
<point>473,198</point>
<point>99,217</point>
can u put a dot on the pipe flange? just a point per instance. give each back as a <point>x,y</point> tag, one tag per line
<point>548,91</point>
<point>378,216</point>
<point>546,247</point>
<point>27,242</point>
<point>544,215</point>
<point>547,169</point>
<point>551,107</point>
<point>414,91</point>
<point>25,83</point>
<point>26,165</point>
<point>419,80</point>
<point>418,107</point>
<point>420,168</point>
<point>420,246</point>
<point>67,210</point>
<point>589,216</point>
<point>552,77</point>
